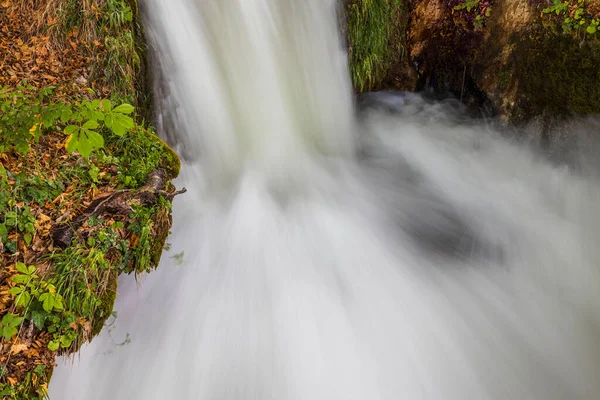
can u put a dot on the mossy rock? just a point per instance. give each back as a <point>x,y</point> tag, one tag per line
<point>557,77</point>
<point>161,226</point>
<point>107,302</point>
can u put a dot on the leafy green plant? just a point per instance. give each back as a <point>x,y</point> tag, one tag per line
<point>84,138</point>
<point>557,7</point>
<point>468,5</point>
<point>8,326</point>
<point>25,117</point>
<point>370,31</point>
<point>575,16</point>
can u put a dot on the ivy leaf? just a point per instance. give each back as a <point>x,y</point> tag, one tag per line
<point>39,319</point>
<point>124,109</point>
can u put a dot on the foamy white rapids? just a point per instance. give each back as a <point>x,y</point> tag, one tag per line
<point>400,252</point>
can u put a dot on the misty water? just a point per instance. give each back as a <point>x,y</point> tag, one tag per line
<point>394,250</point>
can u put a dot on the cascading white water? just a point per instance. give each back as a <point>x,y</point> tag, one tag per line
<point>401,255</point>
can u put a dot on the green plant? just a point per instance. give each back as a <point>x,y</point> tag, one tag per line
<point>557,7</point>
<point>25,117</point>
<point>468,5</point>
<point>19,219</point>
<point>370,26</point>
<point>8,326</point>
<point>574,15</point>
<point>83,137</point>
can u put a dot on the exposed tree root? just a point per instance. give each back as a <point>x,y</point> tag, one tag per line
<point>119,203</point>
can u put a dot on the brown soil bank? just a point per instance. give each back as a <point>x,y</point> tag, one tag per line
<point>522,59</point>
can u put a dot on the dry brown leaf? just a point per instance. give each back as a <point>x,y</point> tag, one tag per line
<point>17,348</point>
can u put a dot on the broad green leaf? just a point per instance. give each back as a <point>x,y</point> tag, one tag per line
<point>15,291</point>
<point>90,125</point>
<point>65,115</point>
<point>71,129</point>
<point>65,341</point>
<point>20,279</point>
<point>21,268</point>
<point>108,120</point>
<point>84,147</point>
<point>27,238</point>
<point>47,302</point>
<point>8,332</point>
<point>72,143</point>
<point>122,124</point>
<point>124,109</point>
<point>24,299</point>
<point>53,345</point>
<point>106,105</point>
<point>10,218</point>
<point>58,303</point>
<point>38,318</point>
<point>95,138</point>
<point>99,115</point>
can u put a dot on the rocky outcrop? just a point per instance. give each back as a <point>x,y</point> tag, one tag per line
<point>508,56</point>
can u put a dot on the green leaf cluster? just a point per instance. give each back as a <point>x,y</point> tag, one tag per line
<point>24,117</point>
<point>94,115</point>
<point>576,17</point>
<point>9,326</point>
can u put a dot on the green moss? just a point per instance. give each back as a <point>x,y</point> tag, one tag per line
<point>170,161</point>
<point>373,26</point>
<point>557,77</point>
<point>107,302</point>
<point>162,223</point>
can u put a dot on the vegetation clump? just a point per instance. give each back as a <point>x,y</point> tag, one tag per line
<point>375,32</point>
<point>85,191</point>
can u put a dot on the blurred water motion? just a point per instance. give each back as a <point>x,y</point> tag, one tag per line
<point>407,253</point>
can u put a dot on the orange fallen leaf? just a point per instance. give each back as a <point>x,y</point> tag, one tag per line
<point>17,348</point>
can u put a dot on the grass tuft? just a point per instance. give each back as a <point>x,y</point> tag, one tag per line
<point>370,31</point>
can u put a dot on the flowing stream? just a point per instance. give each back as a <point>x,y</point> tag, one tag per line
<point>396,250</point>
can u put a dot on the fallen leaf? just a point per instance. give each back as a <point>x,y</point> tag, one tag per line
<point>17,348</point>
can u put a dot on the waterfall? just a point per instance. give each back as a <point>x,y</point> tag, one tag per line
<point>399,251</point>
